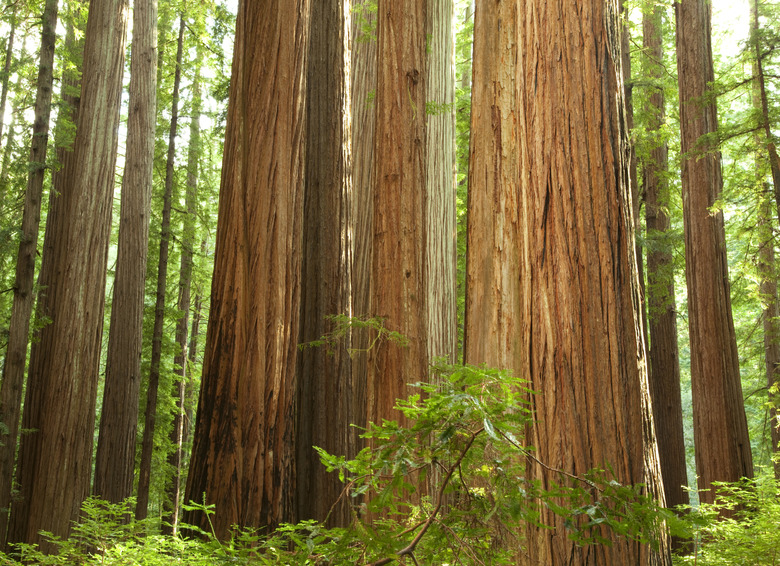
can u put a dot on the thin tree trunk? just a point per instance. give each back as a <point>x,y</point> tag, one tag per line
<point>19,328</point>
<point>54,465</point>
<point>244,450</point>
<point>175,457</point>
<point>398,266</point>
<point>662,314</point>
<point>579,328</point>
<point>719,422</point>
<point>324,377</point>
<point>362,97</point>
<point>150,413</point>
<point>6,74</point>
<point>115,459</point>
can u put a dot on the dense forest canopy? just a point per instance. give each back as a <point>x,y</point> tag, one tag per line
<point>534,243</point>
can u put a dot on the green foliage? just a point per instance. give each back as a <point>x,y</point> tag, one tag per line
<point>343,325</point>
<point>364,19</point>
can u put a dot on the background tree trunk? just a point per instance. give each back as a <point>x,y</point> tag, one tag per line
<point>19,328</point>
<point>719,423</point>
<point>150,413</point>
<point>54,464</point>
<point>398,267</point>
<point>662,314</point>
<point>324,378</point>
<point>115,458</point>
<point>244,450</point>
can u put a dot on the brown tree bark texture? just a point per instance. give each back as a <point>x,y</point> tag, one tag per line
<point>324,378</point>
<point>21,311</point>
<point>54,465</point>
<point>115,457</point>
<point>580,328</point>
<point>719,422</point>
<point>398,289</point>
<point>662,315</point>
<point>244,449</point>
<point>493,273</point>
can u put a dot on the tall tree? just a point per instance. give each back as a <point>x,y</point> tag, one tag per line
<point>180,360</point>
<point>5,75</point>
<point>54,464</point>
<point>493,270</point>
<point>579,326</point>
<point>19,328</point>
<point>662,314</point>
<point>243,453</point>
<point>398,265</point>
<point>115,458</point>
<point>720,429</point>
<point>150,412</point>
<point>325,408</point>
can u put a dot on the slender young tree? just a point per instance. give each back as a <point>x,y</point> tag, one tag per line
<point>719,424</point>
<point>175,457</point>
<point>662,314</point>
<point>54,466</point>
<point>579,325</point>
<point>150,413</point>
<point>325,407</point>
<point>244,446</point>
<point>5,76</point>
<point>19,327</point>
<point>115,457</point>
<point>398,266</point>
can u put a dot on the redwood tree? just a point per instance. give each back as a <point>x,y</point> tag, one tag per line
<point>54,465</point>
<point>244,449</point>
<point>719,424</point>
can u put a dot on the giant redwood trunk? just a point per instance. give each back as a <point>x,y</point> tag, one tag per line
<point>244,450</point>
<point>493,271</point>
<point>115,458</point>
<point>324,378</point>
<point>579,327</point>
<point>19,327</point>
<point>398,266</point>
<point>719,423</point>
<point>54,465</point>
<point>662,314</point>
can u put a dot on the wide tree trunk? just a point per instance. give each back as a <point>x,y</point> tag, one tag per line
<point>244,449</point>
<point>493,269</point>
<point>325,408</point>
<point>115,457</point>
<point>398,266</point>
<point>719,423</point>
<point>662,313</point>
<point>19,327</point>
<point>579,326</point>
<point>152,389</point>
<point>54,468</point>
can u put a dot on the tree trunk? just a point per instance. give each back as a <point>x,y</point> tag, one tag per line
<point>175,457</point>
<point>579,327</point>
<point>398,266</point>
<point>19,328</point>
<point>442,229</point>
<point>324,378</point>
<point>6,74</point>
<point>115,458</point>
<point>662,313</point>
<point>244,451</point>
<point>150,413</point>
<point>493,269</point>
<point>719,422</point>
<point>362,97</point>
<point>54,464</point>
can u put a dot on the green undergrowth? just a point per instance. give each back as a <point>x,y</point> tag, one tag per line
<point>449,487</point>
